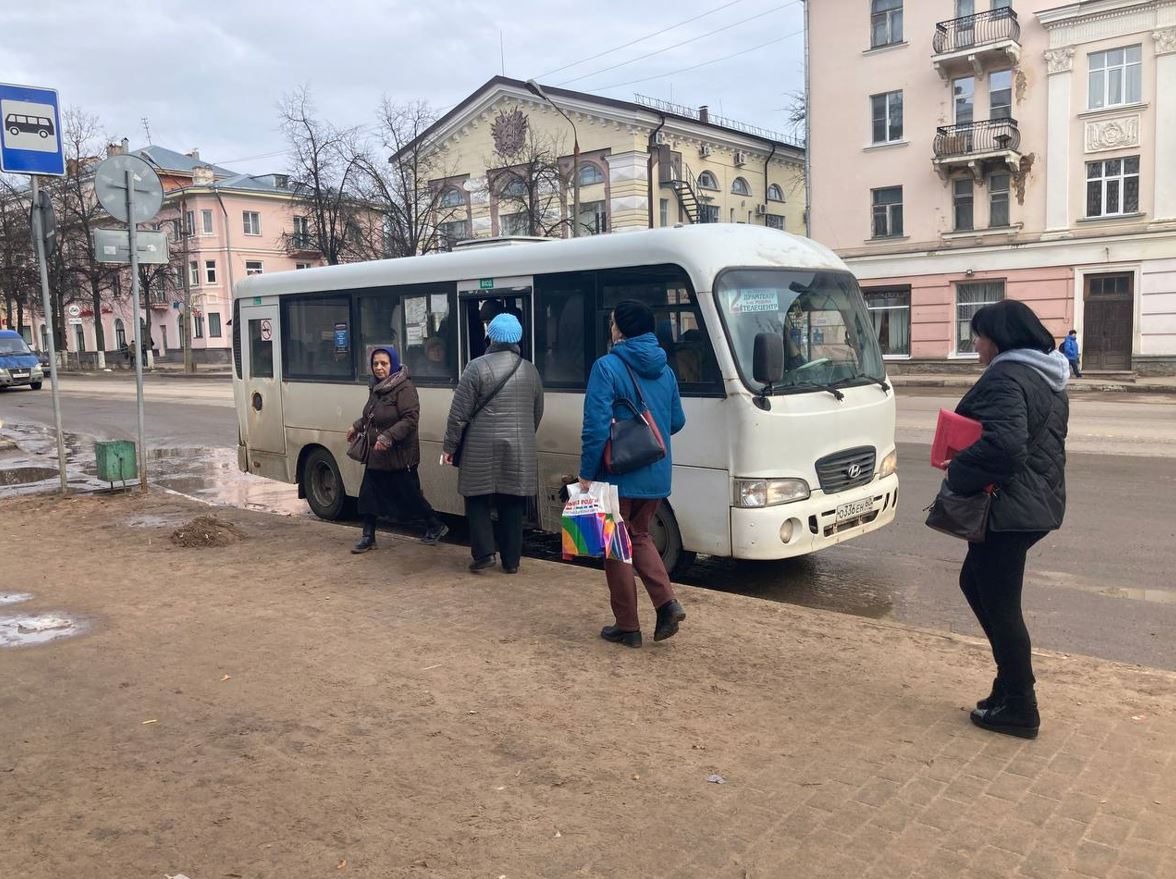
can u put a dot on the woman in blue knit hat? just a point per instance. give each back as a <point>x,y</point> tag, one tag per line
<point>491,436</point>
<point>391,487</point>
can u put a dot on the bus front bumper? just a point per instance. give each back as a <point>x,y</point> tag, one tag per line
<point>821,521</point>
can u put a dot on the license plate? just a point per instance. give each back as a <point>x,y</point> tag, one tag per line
<point>855,509</point>
<point>20,375</point>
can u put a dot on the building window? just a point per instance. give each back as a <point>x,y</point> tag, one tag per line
<point>120,333</point>
<point>453,231</point>
<point>962,200</point>
<point>194,273</point>
<point>198,326</point>
<point>590,174</point>
<point>206,222</point>
<point>1002,4</point>
<point>739,186</point>
<point>301,265</point>
<point>1115,77</point>
<point>514,187</point>
<point>775,193</point>
<point>452,198</point>
<point>964,91</point>
<point>210,271</point>
<point>885,22</point>
<point>998,200</point>
<point>514,224</point>
<point>663,212</point>
<point>301,232</point>
<point>890,310</point>
<point>970,298</point>
<point>774,221</point>
<point>593,218</point>
<point>886,116</point>
<point>253,267</point>
<point>1112,187</point>
<point>707,180</point>
<point>708,213</point>
<point>887,212</point>
<point>214,325</point>
<point>252,221</point>
<point>189,223</point>
<point>1000,94</point>
<point>965,8</point>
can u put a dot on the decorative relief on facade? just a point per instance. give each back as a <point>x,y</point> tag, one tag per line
<point>1165,40</point>
<point>510,131</point>
<point>1112,134</point>
<point>1059,60</point>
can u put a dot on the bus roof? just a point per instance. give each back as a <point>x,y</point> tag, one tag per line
<point>702,250</point>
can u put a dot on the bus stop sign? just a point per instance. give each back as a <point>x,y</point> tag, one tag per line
<point>31,140</point>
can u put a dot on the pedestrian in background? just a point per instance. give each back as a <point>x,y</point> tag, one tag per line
<point>1021,402</point>
<point>496,410</point>
<point>635,369</point>
<point>391,486</point>
<point>1070,349</point>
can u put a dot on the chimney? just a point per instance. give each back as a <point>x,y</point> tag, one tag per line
<point>195,154</point>
<point>116,149</point>
<point>704,114</point>
<point>126,146</point>
<point>202,175</point>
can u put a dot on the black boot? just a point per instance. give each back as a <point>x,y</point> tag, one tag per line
<point>618,636</point>
<point>669,615</point>
<point>991,700</point>
<point>1012,716</point>
<point>368,540</point>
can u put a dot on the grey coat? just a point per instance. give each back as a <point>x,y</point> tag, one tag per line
<point>499,454</point>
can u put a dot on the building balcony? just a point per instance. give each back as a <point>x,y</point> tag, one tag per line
<point>301,245</point>
<point>158,299</point>
<point>977,43</point>
<point>977,147</point>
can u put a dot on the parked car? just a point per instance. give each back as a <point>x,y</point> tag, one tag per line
<point>18,364</point>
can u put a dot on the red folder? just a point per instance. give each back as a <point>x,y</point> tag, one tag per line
<point>953,433</point>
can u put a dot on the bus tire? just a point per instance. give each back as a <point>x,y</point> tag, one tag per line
<point>322,485</point>
<point>667,537</point>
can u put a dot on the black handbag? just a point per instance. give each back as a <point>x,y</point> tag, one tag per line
<point>357,449</point>
<point>960,515</point>
<point>477,409</point>
<point>634,442</point>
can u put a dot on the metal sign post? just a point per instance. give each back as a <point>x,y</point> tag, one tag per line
<point>131,229</point>
<point>39,224</point>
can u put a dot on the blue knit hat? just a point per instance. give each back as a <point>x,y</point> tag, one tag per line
<point>505,330</point>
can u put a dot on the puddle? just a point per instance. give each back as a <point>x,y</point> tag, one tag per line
<point>24,631</point>
<point>26,475</point>
<point>14,597</point>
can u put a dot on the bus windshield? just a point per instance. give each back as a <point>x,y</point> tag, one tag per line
<point>828,335</point>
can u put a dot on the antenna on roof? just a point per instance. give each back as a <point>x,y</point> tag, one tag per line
<point>501,53</point>
<point>147,129</point>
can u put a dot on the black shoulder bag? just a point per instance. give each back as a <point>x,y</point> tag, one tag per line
<point>634,442</point>
<point>477,409</point>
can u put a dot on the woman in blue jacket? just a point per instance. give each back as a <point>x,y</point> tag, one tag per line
<point>637,358</point>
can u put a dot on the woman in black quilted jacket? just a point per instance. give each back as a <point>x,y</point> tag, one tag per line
<point>1021,401</point>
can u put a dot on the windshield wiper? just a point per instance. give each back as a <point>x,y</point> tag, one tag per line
<point>808,384</point>
<point>884,385</point>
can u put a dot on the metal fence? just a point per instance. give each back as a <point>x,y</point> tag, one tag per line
<point>983,28</point>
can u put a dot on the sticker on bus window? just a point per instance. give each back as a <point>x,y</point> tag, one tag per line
<point>342,337</point>
<point>756,302</point>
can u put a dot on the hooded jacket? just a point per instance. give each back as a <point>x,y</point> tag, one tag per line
<point>610,381</point>
<point>1021,402</point>
<point>393,410</point>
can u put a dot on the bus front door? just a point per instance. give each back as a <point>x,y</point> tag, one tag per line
<point>479,303</point>
<point>265,428</point>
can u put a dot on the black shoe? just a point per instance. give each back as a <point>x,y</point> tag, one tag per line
<point>433,535</point>
<point>668,617</point>
<point>479,565</point>
<point>367,541</point>
<point>993,698</point>
<point>1011,717</point>
<point>506,569</point>
<point>617,636</point>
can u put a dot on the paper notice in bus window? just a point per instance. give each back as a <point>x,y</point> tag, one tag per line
<point>414,335</point>
<point>756,301</point>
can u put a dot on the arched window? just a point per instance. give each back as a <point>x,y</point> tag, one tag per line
<point>452,198</point>
<point>514,186</point>
<point>739,187</point>
<point>590,174</point>
<point>120,333</point>
<point>775,193</point>
<point>707,180</point>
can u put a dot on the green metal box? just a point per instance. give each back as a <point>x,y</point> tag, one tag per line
<point>116,461</point>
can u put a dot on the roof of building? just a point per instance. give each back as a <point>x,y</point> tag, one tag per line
<point>670,112</point>
<point>169,160</point>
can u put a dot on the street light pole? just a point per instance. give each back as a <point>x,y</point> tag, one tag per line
<point>537,90</point>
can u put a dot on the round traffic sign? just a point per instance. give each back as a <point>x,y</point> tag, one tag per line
<point>74,310</point>
<point>110,185</point>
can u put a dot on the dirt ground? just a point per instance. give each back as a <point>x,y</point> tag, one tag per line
<point>279,708</point>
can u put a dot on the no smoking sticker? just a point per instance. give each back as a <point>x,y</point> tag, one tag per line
<point>267,330</point>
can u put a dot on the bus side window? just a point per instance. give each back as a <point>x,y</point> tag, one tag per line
<point>562,332</point>
<point>316,337</point>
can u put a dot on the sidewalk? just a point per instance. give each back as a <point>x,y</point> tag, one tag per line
<point>279,708</point>
<point>1087,384</point>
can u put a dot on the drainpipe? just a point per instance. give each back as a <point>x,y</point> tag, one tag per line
<point>767,165</point>
<point>649,164</point>
<point>808,127</point>
<point>228,251</point>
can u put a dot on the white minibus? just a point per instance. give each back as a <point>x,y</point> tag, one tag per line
<point>789,442</point>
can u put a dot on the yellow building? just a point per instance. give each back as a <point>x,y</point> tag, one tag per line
<point>507,154</point>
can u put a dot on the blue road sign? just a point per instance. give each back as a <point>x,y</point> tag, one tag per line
<point>31,140</point>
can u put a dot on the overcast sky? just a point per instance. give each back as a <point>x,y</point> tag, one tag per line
<point>210,75</point>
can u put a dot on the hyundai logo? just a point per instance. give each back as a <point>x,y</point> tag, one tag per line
<point>853,471</point>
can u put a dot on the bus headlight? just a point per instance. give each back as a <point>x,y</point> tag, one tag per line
<point>769,492</point>
<point>889,465</point>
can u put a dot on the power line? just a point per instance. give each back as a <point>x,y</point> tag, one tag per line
<point>694,39</point>
<point>640,39</point>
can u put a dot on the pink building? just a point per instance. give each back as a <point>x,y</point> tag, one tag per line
<point>1000,149</point>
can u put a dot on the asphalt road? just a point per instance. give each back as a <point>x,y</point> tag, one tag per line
<point>1102,585</point>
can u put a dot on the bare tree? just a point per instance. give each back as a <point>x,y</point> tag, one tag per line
<point>528,183</point>
<point>796,113</point>
<point>19,277</point>
<point>324,165</point>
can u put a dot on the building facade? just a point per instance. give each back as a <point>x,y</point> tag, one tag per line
<point>1001,149</point>
<point>508,159</point>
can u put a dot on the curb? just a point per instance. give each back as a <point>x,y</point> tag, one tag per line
<point>1114,387</point>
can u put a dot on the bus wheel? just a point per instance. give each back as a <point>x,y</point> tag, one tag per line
<point>323,486</point>
<point>663,528</point>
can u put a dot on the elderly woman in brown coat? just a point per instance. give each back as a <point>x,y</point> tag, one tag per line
<point>391,487</point>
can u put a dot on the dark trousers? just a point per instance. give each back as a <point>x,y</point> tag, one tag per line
<point>396,494</point>
<point>1074,370</point>
<point>622,584</point>
<point>506,534</point>
<point>991,579</point>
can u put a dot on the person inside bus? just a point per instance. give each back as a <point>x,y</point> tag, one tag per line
<point>1020,399</point>
<point>496,410</point>
<point>391,487</point>
<point>635,368</point>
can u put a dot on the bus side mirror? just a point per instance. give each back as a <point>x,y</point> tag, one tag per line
<point>767,359</point>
